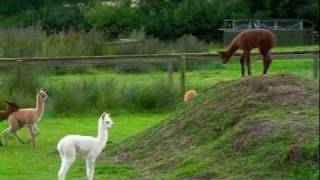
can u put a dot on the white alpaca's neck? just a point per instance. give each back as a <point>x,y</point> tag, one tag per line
<point>39,107</point>
<point>102,137</point>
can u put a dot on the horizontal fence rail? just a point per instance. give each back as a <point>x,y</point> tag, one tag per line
<point>179,58</point>
<point>157,58</point>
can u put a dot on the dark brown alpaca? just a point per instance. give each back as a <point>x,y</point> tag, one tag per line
<point>11,107</point>
<point>247,40</point>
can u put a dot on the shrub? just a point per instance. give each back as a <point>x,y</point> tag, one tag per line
<point>61,18</point>
<point>115,20</point>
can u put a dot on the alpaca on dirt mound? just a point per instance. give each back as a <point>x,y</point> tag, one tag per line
<point>30,117</point>
<point>247,40</point>
<point>89,147</point>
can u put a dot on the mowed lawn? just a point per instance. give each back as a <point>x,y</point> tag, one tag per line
<point>19,161</point>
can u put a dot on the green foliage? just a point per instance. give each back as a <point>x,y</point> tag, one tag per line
<point>44,161</point>
<point>310,12</point>
<point>161,19</point>
<point>114,20</point>
<point>58,18</point>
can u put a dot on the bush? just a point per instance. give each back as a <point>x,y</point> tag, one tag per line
<point>114,21</point>
<point>61,18</point>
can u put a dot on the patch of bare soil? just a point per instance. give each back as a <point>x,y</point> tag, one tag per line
<point>258,129</point>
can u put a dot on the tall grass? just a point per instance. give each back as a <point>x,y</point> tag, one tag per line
<point>31,42</point>
<point>143,44</point>
<point>21,42</point>
<point>87,93</point>
<point>189,44</point>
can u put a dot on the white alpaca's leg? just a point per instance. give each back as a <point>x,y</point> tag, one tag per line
<point>65,165</point>
<point>68,156</point>
<point>90,168</point>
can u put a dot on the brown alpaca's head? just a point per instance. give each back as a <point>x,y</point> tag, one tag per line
<point>42,95</point>
<point>223,56</point>
<point>11,107</point>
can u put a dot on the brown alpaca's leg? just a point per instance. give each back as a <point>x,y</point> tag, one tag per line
<point>247,61</point>
<point>32,134</point>
<point>265,52</point>
<point>242,65</point>
<point>266,63</point>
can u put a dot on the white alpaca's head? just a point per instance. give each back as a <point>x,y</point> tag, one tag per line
<point>42,95</point>
<point>106,121</point>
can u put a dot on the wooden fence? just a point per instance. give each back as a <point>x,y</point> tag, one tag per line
<point>169,59</point>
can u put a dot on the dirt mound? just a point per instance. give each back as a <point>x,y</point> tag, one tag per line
<point>233,118</point>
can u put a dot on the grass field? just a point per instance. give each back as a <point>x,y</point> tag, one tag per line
<point>19,161</point>
<point>22,162</point>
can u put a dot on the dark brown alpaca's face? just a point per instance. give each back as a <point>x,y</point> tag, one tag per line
<point>223,56</point>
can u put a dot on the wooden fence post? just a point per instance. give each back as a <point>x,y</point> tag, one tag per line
<point>316,65</point>
<point>183,60</point>
<point>170,73</point>
<point>18,68</point>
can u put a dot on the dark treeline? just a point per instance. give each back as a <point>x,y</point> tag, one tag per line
<point>165,19</point>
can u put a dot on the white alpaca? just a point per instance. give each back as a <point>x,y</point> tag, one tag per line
<point>88,146</point>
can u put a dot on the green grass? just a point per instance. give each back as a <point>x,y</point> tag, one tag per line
<point>235,130</point>
<point>20,161</point>
<point>203,76</point>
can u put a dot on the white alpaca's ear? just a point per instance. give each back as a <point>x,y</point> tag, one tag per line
<point>103,115</point>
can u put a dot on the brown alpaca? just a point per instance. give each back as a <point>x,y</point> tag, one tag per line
<point>189,95</point>
<point>247,40</point>
<point>29,117</point>
<point>10,108</point>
